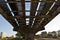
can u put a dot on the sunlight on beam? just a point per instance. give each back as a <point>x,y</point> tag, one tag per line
<point>51,8</point>
<point>10,8</point>
<point>36,13</point>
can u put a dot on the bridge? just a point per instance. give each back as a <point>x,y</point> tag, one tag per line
<point>29,16</point>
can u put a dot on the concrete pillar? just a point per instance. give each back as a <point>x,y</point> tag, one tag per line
<point>29,36</point>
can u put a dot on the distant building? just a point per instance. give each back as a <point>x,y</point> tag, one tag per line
<point>3,34</point>
<point>0,35</point>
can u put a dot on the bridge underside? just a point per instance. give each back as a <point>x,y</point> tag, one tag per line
<point>29,16</point>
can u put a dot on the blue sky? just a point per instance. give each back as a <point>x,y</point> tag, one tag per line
<point>6,27</point>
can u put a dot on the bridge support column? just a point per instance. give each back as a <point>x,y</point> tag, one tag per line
<point>29,36</point>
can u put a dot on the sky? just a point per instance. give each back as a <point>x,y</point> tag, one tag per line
<point>6,27</point>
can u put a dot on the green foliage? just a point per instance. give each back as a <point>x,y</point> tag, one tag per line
<point>16,38</point>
